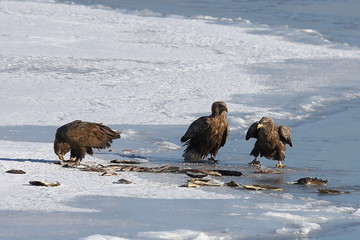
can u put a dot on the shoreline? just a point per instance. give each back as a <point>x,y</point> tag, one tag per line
<point>106,202</point>
<point>277,14</point>
<point>117,66</point>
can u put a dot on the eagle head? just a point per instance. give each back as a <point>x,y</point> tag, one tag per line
<point>219,107</point>
<point>265,122</point>
<point>61,148</point>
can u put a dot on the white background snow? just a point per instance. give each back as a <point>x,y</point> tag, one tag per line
<point>61,62</point>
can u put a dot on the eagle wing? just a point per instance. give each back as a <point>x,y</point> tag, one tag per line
<point>196,128</point>
<point>225,135</point>
<point>285,134</point>
<point>252,132</point>
<point>89,134</point>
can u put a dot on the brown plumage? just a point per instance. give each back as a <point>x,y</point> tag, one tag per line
<point>207,134</point>
<point>271,140</point>
<point>80,137</point>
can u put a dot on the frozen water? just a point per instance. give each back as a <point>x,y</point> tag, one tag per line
<point>145,70</point>
<point>149,74</point>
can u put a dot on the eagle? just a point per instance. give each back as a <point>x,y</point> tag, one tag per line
<point>271,140</point>
<point>207,134</point>
<point>81,137</point>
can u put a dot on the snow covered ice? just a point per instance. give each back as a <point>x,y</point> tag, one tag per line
<point>148,70</point>
<point>150,75</point>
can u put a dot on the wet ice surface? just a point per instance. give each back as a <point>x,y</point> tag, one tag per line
<point>149,76</point>
<point>155,206</point>
<point>335,20</point>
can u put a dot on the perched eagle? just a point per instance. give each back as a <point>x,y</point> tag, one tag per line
<point>207,134</point>
<point>80,137</point>
<point>271,140</point>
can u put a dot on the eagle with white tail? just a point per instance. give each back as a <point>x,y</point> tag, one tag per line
<point>207,134</point>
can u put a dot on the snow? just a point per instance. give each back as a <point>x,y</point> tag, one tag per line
<point>176,235</point>
<point>73,183</point>
<point>68,61</point>
<point>102,237</point>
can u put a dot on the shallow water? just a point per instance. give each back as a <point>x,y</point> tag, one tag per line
<point>74,67</point>
<point>335,20</point>
<point>318,147</point>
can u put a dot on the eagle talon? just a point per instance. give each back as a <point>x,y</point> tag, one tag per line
<point>211,159</point>
<point>74,161</point>
<point>255,163</point>
<point>280,165</point>
<point>70,162</point>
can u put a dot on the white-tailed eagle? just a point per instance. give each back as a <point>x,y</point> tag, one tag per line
<point>271,140</point>
<point>81,137</point>
<point>207,134</point>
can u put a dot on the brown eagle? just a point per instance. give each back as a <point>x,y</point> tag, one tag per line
<point>80,137</point>
<point>207,134</point>
<point>271,140</point>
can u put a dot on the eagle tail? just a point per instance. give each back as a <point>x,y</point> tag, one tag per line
<point>111,134</point>
<point>117,135</point>
<point>192,155</point>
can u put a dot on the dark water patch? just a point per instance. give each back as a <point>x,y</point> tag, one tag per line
<point>28,133</point>
<point>335,20</point>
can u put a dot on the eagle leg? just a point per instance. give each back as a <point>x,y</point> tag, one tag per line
<point>255,162</point>
<point>280,165</point>
<point>212,159</point>
<point>74,160</point>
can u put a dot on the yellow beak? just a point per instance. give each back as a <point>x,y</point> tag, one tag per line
<point>259,126</point>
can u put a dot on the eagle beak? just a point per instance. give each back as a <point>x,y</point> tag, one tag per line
<point>61,158</point>
<point>226,109</point>
<point>259,126</point>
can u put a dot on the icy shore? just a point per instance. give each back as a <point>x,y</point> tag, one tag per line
<point>87,199</point>
<point>150,76</point>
